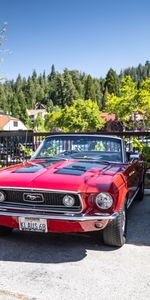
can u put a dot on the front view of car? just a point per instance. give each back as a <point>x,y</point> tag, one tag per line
<point>72,183</point>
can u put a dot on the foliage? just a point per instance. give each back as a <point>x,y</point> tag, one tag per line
<point>50,152</point>
<point>137,144</point>
<point>143,148</point>
<point>99,146</point>
<point>26,150</point>
<point>80,116</point>
<point>39,123</point>
<point>52,119</point>
<point>52,91</point>
<point>122,94</point>
<point>143,99</point>
<point>111,82</point>
<point>138,74</point>
<point>130,102</point>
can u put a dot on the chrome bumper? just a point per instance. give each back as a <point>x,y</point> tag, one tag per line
<point>64,217</point>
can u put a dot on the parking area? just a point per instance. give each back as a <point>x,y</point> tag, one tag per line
<point>78,266</point>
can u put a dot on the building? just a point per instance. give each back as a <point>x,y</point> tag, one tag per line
<point>11,123</point>
<point>111,122</point>
<point>33,113</point>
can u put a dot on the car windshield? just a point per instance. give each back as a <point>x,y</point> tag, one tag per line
<point>80,147</point>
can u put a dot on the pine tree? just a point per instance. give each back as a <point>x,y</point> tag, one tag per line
<point>3,99</point>
<point>69,91</point>
<point>111,82</point>
<point>89,92</point>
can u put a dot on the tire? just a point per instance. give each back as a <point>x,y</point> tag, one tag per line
<point>4,231</point>
<point>115,233</point>
<point>140,194</point>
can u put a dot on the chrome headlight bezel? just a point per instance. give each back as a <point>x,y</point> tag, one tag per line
<point>2,196</point>
<point>68,200</point>
<point>104,200</point>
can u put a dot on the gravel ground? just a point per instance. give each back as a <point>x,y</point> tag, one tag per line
<point>73,266</point>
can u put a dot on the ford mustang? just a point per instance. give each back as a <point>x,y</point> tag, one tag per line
<point>73,183</point>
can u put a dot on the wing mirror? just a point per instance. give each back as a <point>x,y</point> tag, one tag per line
<point>132,156</point>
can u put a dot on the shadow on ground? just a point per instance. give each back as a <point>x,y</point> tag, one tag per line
<point>139,222</point>
<point>59,248</point>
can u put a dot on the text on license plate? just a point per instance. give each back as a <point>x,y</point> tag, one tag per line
<point>31,224</point>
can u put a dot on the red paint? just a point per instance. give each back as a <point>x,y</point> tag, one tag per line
<point>120,183</point>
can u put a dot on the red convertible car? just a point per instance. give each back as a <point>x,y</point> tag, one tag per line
<point>73,183</point>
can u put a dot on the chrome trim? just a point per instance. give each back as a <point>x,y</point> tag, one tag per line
<point>32,198</point>
<point>123,151</point>
<point>86,135</point>
<point>65,217</point>
<point>6,207</point>
<point>129,202</point>
<point>37,189</point>
<point>83,134</point>
<point>131,173</point>
<point>40,190</point>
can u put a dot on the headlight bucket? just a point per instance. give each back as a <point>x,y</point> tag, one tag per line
<point>68,200</point>
<point>104,200</point>
<point>2,197</point>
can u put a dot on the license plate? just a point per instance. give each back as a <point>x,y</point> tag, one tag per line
<point>31,224</point>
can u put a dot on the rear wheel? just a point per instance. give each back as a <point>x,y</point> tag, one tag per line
<point>115,233</point>
<point>4,231</point>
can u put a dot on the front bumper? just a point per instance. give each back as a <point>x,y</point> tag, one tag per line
<point>59,222</point>
<point>64,217</point>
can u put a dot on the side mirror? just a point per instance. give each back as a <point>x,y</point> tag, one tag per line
<point>132,156</point>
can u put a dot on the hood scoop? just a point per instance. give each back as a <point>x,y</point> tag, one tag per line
<point>33,168</point>
<point>78,168</point>
<point>29,169</point>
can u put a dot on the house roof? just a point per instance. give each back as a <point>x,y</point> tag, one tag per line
<point>108,117</point>
<point>4,119</point>
<point>39,105</point>
<point>35,111</point>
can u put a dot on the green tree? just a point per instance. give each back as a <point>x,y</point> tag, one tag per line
<point>57,95</point>
<point>111,82</point>
<point>98,93</point>
<point>81,116</point>
<point>89,92</point>
<point>68,89</point>
<point>50,105</point>
<point>52,120</point>
<point>104,99</point>
<point>23,108</point>
<point>3,99</point>
<point>15,106</point>
<point>143,100</point>
<point>77,81</point>
<point>53,72</point>
<point>31,93</point>
<point>18,84</point>
<point>39,123</point>
<point>131,101</point>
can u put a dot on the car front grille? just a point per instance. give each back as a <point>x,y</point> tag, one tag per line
<point>39,199</point>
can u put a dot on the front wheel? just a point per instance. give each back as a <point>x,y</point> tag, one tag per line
<point>115,233</point>
<point>4,231</point>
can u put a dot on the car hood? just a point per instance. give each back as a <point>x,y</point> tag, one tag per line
<point>71,175</point>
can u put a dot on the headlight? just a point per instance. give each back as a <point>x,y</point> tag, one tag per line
<point>68,200</point>
<point>104,200</point>
<point>2,196</point>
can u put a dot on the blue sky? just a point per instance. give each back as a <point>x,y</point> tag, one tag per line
<point>87,35</point>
